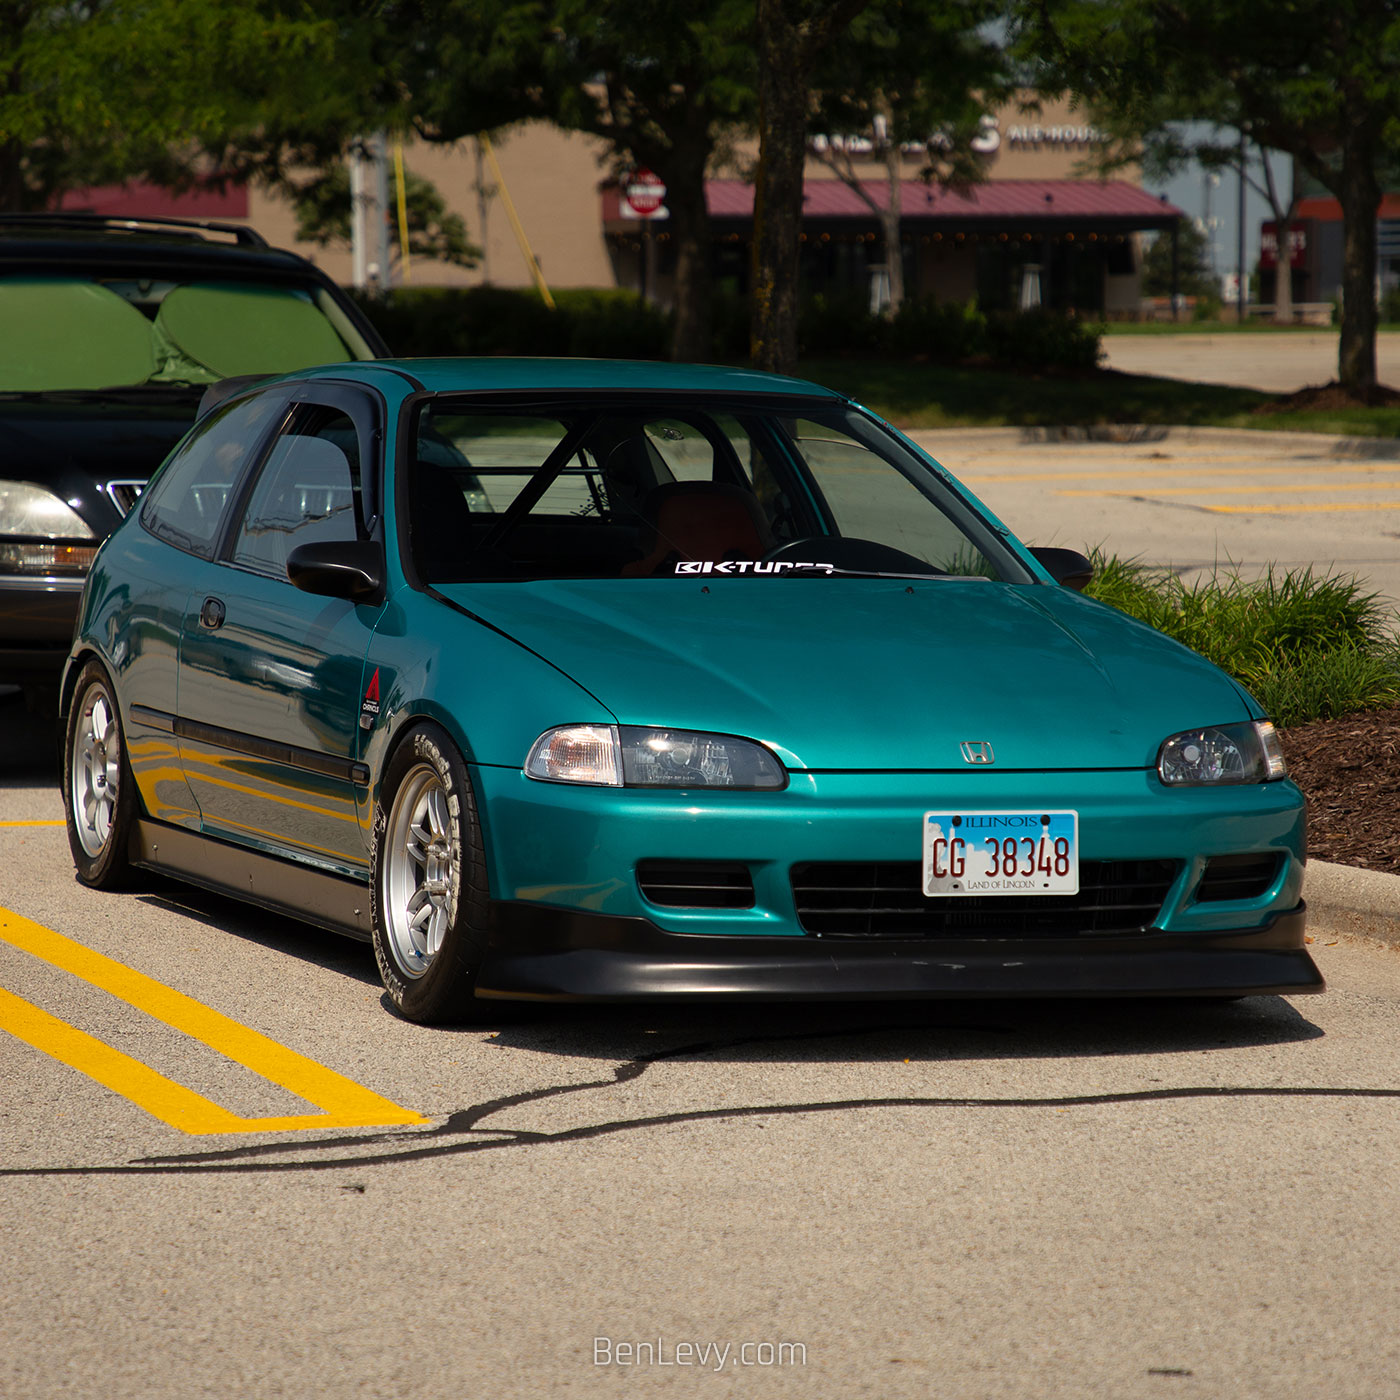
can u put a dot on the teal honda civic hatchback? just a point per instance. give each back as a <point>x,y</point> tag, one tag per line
<point>578,680</point>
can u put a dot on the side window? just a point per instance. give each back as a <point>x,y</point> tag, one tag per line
<point>308,492</point>
<point>871,500</point>
<point>684,448</point>
<point>186,501</point>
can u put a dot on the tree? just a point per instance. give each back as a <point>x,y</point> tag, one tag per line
<point>323,212</point>
<point>1192,275</point>
<point>89,94</point>
<point>1319,81</point>
<point>662,84</point>
<point>908,73</point>
<point>792,36</point>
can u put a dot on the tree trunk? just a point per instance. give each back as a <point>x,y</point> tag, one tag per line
<point>690,229</point>
<point>14,195</point>
<point>1283,276</point>
<point>1283,228</point>
<point>889,226</point>
<point>1360,199</point>
<point>783,68</point>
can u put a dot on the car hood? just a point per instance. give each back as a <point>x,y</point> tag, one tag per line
<point>72,442</point>
<point>871,673</point>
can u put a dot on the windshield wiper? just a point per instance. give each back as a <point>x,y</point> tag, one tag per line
<point>937,575</point>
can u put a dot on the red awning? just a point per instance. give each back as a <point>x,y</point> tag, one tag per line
<point>995,203</point>
<point>995,199</point>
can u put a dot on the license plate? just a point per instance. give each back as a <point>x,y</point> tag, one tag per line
<point>968,853</point>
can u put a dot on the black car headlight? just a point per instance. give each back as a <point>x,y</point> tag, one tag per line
<point>1223,753</point>
<point>39,525</point>
<point>626,755</point>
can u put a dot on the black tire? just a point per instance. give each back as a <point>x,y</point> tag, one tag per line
<point>100,821</point>
<point>428,914</point>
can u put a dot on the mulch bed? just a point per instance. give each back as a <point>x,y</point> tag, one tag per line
<point>1350,770</point>
<point>1333,396</point>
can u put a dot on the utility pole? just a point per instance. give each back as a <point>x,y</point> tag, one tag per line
<point>1242,291</point>
<point>483,210</point>
<point>369,211</point>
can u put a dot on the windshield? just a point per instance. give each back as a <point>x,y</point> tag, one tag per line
<point>772,489</point>
<point>119,332</point>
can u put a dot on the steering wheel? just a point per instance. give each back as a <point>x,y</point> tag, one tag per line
<point>847,552</point>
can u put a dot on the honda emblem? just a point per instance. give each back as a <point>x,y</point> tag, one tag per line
<point>977,751</point>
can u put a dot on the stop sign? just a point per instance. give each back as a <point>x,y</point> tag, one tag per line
<point>643,192</point>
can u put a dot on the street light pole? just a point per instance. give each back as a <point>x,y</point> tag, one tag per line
<point>1242,290</point>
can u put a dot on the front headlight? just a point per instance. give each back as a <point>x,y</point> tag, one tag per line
<point>1223,753</point>
<point>632,756</point>
<point>27,509</point>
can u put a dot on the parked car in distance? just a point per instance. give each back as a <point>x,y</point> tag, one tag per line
<point>113,330</point>
<point>591,680</point>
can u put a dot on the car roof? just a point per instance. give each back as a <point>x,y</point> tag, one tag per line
<point>509,374</point>
<point>89,242</point>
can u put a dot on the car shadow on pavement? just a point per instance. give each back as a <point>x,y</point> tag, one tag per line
<point>783,1031</point>
<point>29,742</point>
<point>291,937</point>
<point>916,1031</point>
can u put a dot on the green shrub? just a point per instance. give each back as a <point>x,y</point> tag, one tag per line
<point>1043,339</point>
<point>944,331</point>
<point>605,322</point>
<point>611,323</point>
<point>1307,645</point>
<point>839,323</point>
<point>1330,684</point>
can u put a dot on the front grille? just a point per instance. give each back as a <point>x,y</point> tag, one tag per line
<point>1239,877</point>
<point>696,884</point>
<point>124,494</point>
<point>885,899</point>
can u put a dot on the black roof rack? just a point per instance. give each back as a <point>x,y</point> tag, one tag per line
<point>73,221</point>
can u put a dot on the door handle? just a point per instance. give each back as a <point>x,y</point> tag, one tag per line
<point>211,615</point>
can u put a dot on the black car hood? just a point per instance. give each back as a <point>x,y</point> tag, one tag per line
<point>73,443</point>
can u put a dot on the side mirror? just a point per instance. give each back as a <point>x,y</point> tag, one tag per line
<point>1066,566</point>
<point>350,569</point>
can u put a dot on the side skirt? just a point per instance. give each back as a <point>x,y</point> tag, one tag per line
<point>328,901</point>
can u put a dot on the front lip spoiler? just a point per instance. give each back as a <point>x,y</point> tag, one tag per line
<point>541,954</point>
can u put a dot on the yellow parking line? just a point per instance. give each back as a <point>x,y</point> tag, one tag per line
<point>1304,510</point>
<point>43,823</point>
<point>344,1103</point>
<point>1173,468</point>
<point>1282,488</point>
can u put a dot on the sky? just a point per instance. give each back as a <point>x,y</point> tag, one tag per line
<point>1192,192</point>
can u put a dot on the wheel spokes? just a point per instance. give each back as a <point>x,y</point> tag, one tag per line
<point>418,877</point>
<point>95,772</point>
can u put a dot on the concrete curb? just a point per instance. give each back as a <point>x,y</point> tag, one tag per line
<point>1348,900</point>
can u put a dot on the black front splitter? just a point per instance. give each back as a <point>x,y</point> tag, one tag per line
<point>538,954</point>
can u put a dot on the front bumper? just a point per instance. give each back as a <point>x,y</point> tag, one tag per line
<point>539,954</point>
<point>572,920</point>
<point>36,625</point>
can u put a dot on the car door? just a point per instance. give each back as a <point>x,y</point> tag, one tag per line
<point>271,677</point>
<point>177,534</point>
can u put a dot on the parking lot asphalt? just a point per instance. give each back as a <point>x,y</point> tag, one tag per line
<point>1277,361</point>
<point>1190,499</point>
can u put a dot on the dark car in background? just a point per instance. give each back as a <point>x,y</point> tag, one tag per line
<point>110,331</point>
